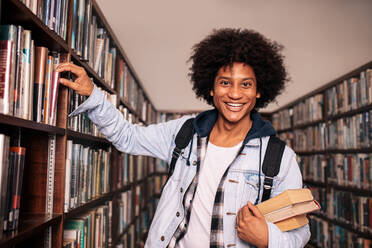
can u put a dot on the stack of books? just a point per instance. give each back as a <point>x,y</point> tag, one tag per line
<point>288,210</point>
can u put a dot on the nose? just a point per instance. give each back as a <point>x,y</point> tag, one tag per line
<point>235,92</point>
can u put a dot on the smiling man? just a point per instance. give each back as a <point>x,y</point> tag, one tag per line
<point>209,199</point>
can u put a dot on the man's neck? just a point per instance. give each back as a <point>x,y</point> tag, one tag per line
<point>227,134</point>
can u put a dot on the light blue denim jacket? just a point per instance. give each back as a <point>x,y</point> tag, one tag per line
<point>158,141</point>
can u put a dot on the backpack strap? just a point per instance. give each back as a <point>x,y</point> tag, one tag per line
<point>271,164</point>
<point>183,138</point>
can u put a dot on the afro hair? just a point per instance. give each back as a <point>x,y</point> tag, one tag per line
<point>224,47</point>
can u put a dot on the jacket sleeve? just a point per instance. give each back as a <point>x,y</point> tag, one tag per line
<point>291,179</point>
<point>153,140</point>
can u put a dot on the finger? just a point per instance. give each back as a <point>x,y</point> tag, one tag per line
<point>79,71</point>
<point>247,213</point>
<point>256,212</point>
<point>68,83</point>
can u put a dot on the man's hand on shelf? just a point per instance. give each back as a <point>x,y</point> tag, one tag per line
<point>82,84</point>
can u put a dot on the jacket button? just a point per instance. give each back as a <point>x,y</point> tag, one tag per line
<point>162,238</point>
<point>194,163</point>
<point>181,190</point>
<point>178,214</point>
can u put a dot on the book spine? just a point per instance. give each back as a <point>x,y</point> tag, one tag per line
<point>17,156</point>
<point>18,73</point>
<point>75,5</point>
<point>41,55</point>
<point>40,9</point>
<point>48,87</point>
<point>46,11</point>
<point>68,175</point>
<point>86,29</point>
<point>54,93</point>
<point>98,51</point>
<point>80,22</point>
<point>25,86</point>
<point>4,166</point>
<point>6,77</point>
<point>51,20</point>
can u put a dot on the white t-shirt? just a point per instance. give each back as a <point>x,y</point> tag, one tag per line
<point>216,161</point>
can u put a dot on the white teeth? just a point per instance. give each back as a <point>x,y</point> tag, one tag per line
<point>235,104</point>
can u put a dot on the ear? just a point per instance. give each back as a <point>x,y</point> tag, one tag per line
<point>211,93</point>
<point>258,95</point>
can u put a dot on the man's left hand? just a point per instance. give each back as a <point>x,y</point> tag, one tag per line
<point>251,226</point>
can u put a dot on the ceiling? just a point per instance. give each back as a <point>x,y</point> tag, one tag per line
<point>323,40</point>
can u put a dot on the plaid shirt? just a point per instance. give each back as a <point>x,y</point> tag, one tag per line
<point>216,234</point>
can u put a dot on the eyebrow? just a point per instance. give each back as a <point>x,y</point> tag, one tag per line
<point>243,79</point>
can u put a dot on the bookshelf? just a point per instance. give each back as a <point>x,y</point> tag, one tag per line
<point>38,225</point>
<point>331,134</point>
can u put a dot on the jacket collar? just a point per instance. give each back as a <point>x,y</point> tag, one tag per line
<point>204,122</point>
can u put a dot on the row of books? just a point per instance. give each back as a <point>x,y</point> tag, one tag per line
<point>282,119</point>
<point>350,132</point>
<point>91,230</point>
<point>91,41</point>
<point>29,85</point>
<point>353,132</point>
<point>346,207</point>
<point>309,110</point>
<point>350,94</point>
<point>131,93</point>
<point>354,170</point>
<point>87,174</point>
<point>313,167</point>
<point>350,170</point>
<point>53,13</point>
<point>310,139</point>
<point>12,161</point>
<point>324,234</point>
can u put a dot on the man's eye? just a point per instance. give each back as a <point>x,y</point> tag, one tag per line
<point>224,82</point>
<point>247,84</point>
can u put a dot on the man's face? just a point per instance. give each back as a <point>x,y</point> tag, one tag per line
<point>235,92</point>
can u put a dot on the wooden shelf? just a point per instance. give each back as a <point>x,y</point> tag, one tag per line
<point>90,139</point>
<point>314,183</point>
<point>349,113</point>
<point>88,205</point>
<point>346,151</point>
<point>289,129</point>
<point>17,13</point>
<point>344,225</point>
<point>305,153</point>
<point>91,73</point>
<point>355,190</point>
<point>308,124</point>
<point>30,224</point>
<point>124,188</point>
<point>8,122</point>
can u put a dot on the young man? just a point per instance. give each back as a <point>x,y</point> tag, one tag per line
<point>209,199</point>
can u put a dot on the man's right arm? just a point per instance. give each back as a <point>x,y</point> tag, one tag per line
<point>153,140</point>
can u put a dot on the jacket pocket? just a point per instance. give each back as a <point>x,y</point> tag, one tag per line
<point>250,184</point>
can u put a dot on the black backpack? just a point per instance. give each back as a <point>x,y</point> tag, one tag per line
<point>271,163</point>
